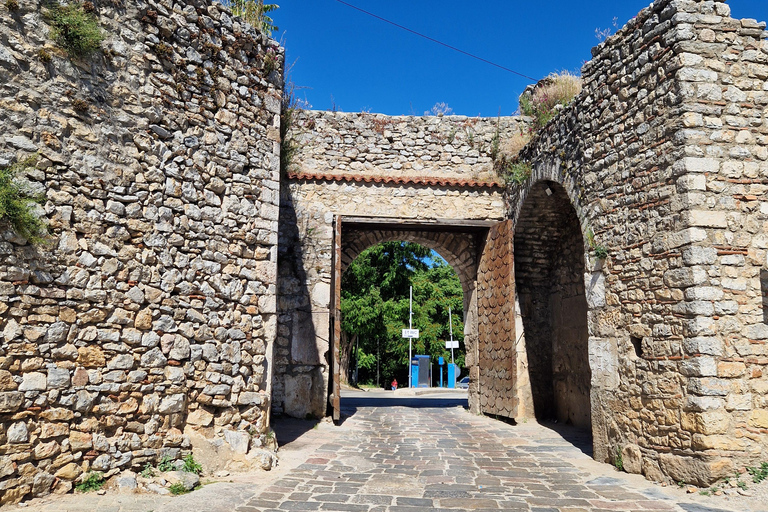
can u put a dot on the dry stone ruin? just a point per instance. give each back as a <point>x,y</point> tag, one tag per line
<point>189,290</point>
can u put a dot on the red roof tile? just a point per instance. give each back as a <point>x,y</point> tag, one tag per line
<point>398,180</point>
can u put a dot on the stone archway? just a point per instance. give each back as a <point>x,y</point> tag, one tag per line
<point>549,272</point>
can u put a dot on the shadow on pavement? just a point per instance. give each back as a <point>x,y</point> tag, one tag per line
<point>349,406</point>
<point>578,437</point>
<point>288,430</point>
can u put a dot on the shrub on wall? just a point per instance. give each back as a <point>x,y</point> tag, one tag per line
<point>17,204</point>
<point>549,97</point>
<point>255,12</point>
<point>75,28</point>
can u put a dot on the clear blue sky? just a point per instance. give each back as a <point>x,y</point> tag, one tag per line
<point>343,57</point>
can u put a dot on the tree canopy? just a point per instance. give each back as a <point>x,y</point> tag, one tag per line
<point>374,309</point>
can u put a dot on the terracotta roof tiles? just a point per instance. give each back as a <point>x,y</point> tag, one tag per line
<point>396,180</point>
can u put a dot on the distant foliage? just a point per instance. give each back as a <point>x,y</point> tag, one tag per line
<point>17,204</point>
<point>75,28</point>
<point>549,97</point>
<point>375,302</point>
<point>255,12</point>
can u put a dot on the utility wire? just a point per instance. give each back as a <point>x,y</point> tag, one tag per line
<point>436,41</point>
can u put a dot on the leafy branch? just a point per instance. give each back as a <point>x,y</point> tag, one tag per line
<point>17,203</point>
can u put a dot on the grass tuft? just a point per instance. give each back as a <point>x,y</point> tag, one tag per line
<point>75,29</point>
<point>549,96</point>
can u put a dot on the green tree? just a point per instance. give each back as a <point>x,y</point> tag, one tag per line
<point>374,307</point>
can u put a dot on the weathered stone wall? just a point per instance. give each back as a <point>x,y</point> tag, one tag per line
<point>367,165</point>
<point>152,308</point>
<point>663,157</point>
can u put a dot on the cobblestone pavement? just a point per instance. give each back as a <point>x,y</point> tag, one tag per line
<point>405,459</point>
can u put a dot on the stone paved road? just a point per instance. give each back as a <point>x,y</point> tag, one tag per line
<point>411,456</point>
<point>407,459</point>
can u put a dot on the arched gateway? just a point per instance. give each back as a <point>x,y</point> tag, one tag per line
<point>639,242</point>
<point>337,203</point>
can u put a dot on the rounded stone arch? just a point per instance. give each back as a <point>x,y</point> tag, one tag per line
<point>550,172</point>
<point>458,249</point>
<point>550,265</point>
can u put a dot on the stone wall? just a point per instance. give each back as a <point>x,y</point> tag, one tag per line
<point>151,310</point>
<point>368,165</point>
<point>664,158</point>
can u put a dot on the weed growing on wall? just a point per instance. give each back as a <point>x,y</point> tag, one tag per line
<point>93,482</point>
<point>600,251</point>
<point>516,172</point>
<point>75,28</point>
<point>255,12</point>
<point>191,465</point>
<point>549,97</point>
<point>17,204</point>
<point>292,105</point>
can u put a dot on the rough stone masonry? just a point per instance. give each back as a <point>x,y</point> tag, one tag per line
<point>152,316</point>
<point>151,313</point>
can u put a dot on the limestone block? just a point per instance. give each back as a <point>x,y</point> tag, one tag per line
<point>91,357</point>
<point>710,422</point>
<point>69,471</point>
<point>632,458</point>
<point>7,466</point>
<point>703,403</point>
<point>18,433</point>
<point>595,289</point>
<point>604,362</point>
<point>67,352</point>
<point>717,442</point>
<point>6,381</point>
<point>759,418</point>
<point>57,414</point>
<point>172,404</point>
<point>703,345</point>
<point>321,295</point>
<point>707,219</point>
<point>238,440</point>
<point>33,381</point>
<point>700,367</point>
<point>58,378</point>
<point>49,430</point>
<point>143,320</point>
<point>11,401</point>
<point>42,483</point>
<point>46,450</point>
<point>694,471</point>
<point>200,417</point>
<point>685,277</point>
<point>250,398</point>
<point>309,342</point>
<point>102,463</point>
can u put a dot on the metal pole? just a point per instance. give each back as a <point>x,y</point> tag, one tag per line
<point>410,340</point>
<point>450,324</point>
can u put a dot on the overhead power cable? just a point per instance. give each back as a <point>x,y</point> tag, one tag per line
<point>436,41</point>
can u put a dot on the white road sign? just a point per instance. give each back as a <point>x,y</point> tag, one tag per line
<point>410,333</point>
<point>451,344</point>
